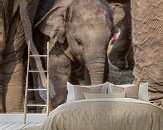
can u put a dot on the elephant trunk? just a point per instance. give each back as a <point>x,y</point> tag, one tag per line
<point>96,68</point>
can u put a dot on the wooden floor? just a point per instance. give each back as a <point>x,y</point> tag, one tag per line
<point>17,126</point>
<point>15,121</point>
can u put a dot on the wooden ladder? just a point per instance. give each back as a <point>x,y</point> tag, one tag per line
<point>44,89</point>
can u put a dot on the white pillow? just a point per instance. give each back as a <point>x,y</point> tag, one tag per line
<point>142,93</point>
<point>71,92</point>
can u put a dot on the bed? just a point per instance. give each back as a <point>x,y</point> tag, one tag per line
<point>106,107</point>
<point>106,114</point>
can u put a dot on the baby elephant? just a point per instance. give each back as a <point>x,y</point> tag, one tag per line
<point>88,29</point>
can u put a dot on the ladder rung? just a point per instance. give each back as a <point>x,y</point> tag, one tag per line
<point>37,89</point>
<point>33,71</point>
<point>38,55</point>
<point>36,105</point>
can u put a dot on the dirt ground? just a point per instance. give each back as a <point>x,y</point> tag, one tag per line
<point>117,76</point>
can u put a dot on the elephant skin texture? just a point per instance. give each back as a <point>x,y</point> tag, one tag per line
<point>147,39</point>
<point>1,50</point>
<point>12,58</point>
<point>13,55</point>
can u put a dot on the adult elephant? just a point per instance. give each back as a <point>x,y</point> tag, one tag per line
<point>16,33</point>
<point>88,30</point>
<point>121,54</point>
<point>1,50</point>
<point>12,57</point>
<point>147,26</point>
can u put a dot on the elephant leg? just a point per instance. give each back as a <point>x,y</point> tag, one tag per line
<point>87,77</point>
<point>1,82</point>
<point>14,84</point>
<point>13,69</point>
<point>130,58</point>
<point>147,29</point>
<point>106,70</point>
<point>77,75</point>
<point>74,78</point>
<point>1,50</point>
<point>60,70</point>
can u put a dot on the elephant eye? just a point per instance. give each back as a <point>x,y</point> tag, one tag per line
<point>79,41</point>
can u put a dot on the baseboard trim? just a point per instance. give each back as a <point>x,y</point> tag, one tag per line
<point>20,118</point>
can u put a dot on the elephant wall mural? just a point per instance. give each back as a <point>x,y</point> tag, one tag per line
<point>78,43</point>
<point>68,51</point>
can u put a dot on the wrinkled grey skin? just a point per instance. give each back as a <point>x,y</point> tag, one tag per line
<point>121,54</point>
<point>88,30</point>
<point>147,28</point>
<point>12,57</point>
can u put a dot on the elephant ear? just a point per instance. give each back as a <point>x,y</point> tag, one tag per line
<point>53,24</point>
<point>44,8</point>
<point>118,13</point>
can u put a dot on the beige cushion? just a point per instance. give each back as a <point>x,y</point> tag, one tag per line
<point>79,91</point>
<point>103,95</point>
<point>131,90</point>
<point>139,91</point>
<point>76,92</point>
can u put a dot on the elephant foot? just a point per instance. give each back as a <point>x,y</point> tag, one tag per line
<point>14,89</point>
<point>58,100</point>
<point>50,109</point>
